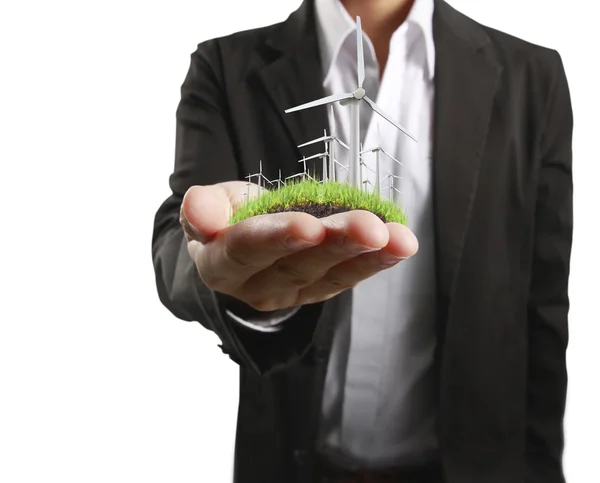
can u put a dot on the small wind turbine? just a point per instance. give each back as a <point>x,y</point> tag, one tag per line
<point>378,149</point>
<point>279,181</point>
<point>303,161</point>
<point>360,166</point>
<point>260,176</point>
<point>329,152</point>
<point>354,99</point>
<point>391,186</point>
<point>324,156</point>
<point>304,173</point>
<point>329,144</point>
<point>249,178</point>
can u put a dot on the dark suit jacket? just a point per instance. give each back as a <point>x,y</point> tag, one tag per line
<point>503,220</point>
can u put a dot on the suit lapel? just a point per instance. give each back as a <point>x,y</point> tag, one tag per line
<point>466,81</point>
<point>295,77</point>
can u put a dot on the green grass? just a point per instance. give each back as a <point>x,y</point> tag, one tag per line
<point>297,193</point>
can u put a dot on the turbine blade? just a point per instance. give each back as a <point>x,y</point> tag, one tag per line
<point>320,102</point>
<point>342,143</point>
<point>391,157</point>
<point>359,53</point>
<point>340,164</point>
<point>314,141</point>
<point>368,150</point>
<point>314,156</point>
<point>387,118</point>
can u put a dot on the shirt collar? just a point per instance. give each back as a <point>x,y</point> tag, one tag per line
<point>334,25</point>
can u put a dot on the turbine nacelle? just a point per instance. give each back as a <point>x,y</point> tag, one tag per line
<point>359,93</point>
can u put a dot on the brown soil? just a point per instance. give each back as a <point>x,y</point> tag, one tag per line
<point>318,210</point>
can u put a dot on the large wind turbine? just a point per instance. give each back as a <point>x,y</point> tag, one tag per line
<point>354,99</point>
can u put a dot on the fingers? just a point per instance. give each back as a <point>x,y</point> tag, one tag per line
<point>402,242</point>
<point>289,258</point>
<point>348,235</point>
<point>205,210</point>
<point>402,245</point>
<point>359,226</point>
<point>239,251</point>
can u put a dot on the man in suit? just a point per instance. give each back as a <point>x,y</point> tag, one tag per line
<point>433,352</point>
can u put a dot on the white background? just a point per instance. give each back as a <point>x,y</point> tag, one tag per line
<point>98,382</point>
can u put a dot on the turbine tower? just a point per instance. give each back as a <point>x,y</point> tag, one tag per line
<point>354,99</point>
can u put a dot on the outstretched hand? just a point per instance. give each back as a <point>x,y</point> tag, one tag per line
<point>285,259</point>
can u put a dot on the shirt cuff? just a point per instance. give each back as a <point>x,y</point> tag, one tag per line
<point>268,322</point>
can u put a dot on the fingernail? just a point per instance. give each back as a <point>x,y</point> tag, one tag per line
<point>362,249</point>
<point>190,230</point>
<point>297,243</point>
<point>389,260</point>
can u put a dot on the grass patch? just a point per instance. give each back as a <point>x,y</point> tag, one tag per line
<point>307,192</point>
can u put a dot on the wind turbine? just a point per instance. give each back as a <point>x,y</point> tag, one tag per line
<point>260,177</point>
<point>324,156</point>
<point>329,151</point>
<point>391,186</point>
<point>330,145</point>
<point>304,173</point>
<point>279,181</point>
<point>378,149</point>
<point>354,99</point>
<point>360,165</point>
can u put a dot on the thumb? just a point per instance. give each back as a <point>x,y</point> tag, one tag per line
<point>205,210</point>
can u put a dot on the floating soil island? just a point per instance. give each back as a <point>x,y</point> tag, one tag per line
<point>318,210</point>
<point>319,200</point>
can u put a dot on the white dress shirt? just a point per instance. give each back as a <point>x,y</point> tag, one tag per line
<point>378,406</point>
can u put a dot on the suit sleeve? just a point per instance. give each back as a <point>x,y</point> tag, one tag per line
<point>549,302</point>
<point>205,154</point>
